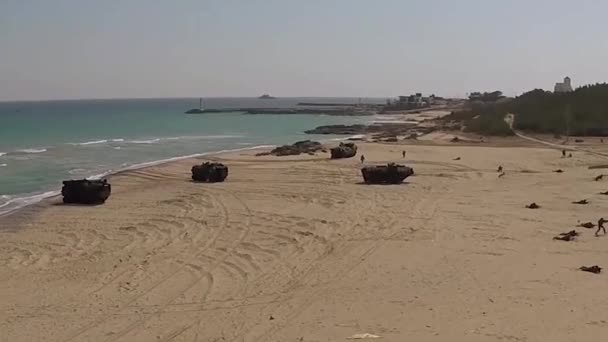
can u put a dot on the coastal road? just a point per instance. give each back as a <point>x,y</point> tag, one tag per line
<point>510,118</point>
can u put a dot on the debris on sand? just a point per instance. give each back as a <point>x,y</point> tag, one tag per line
<point>362,336</point>
<point>457,158</point>
<point>499,169</point>
<point>501,175</point>
<point>592,269</point>
<point>581,202</point>
<point>599,178</point>
<point>605,193</point>
<point>588,225</point>
<point>569,236</point>
<point>533,205</point>
<point>558,171</point>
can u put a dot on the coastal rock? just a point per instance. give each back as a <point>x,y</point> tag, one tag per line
<point>209,172</point>
<point>345,150</point>
<point>306,146</point>
<point>386,174</point>
<point>328,111</point>
<point>339,129</point>
<point>86,191</point>
<point>383,130</point>
<point>195,111</point>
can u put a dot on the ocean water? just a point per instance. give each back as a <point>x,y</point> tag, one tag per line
<point>43,143</point>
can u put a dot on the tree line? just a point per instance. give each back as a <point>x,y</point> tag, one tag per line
<point>581,112</point>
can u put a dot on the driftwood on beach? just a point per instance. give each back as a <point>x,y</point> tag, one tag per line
<point>345,150</point>
<point>209,172</point>
<point>86,191</point>
<point>386,174</point>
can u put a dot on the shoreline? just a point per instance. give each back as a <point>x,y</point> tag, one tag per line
<point>37,198</point>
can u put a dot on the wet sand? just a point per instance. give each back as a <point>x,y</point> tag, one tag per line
<point>297,249</point>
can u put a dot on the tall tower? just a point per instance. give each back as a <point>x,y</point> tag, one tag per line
<point>568,84</point>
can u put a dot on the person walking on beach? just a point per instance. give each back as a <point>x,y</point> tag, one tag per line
<point>362,159</point>
<point>600,225</point>
<point>403,154</point>
<point>563,153</point>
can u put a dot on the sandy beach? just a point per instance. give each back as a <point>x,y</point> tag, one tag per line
<point>297,249</point>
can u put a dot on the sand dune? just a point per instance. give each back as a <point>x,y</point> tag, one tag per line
<point>298,250</point>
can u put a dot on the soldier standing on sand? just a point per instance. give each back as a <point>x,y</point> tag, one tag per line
<point>403,154</point>
<point>563,153</point>
<point>600,225</point>
<point>362,159</point>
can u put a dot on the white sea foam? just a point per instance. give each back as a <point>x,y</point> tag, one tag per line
<point>2,154</point>
<point>3,165</point>
<point>168,160</point>
<point>20,202</point>
<point>93,142</point>
<point>118,140</point>
<point>151,141</point>
<point>76,171</point>
<point>357,136</point>
<point>185,137</point>
<point>32,150</point>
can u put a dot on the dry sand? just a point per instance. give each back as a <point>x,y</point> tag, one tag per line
<point>297,249</point>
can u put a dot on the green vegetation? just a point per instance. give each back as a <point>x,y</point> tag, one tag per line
<point>486,97</point>
<point>582,112</point>
<point>484,118</point>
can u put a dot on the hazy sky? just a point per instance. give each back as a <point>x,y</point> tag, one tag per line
<point>56,49</point>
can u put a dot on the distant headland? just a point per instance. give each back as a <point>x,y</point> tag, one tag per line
<point>266,97</point>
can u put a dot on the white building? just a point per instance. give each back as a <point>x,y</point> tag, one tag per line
<point>564,87</point>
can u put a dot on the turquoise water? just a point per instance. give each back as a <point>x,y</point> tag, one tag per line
<point>43,143</point>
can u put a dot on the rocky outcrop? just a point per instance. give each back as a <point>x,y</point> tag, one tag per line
<point>86,191</point>
<point>306,146</point>
<point>386,174</point>
<point>383,129</point>
<point>327,111</point>
<point>209,172</point>
<point>345,150</point>
<point>195,111</point>
<point>339,129</point>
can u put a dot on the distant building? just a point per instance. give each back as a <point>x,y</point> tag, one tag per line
<point>415,101</point>
<point>564,87</point>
